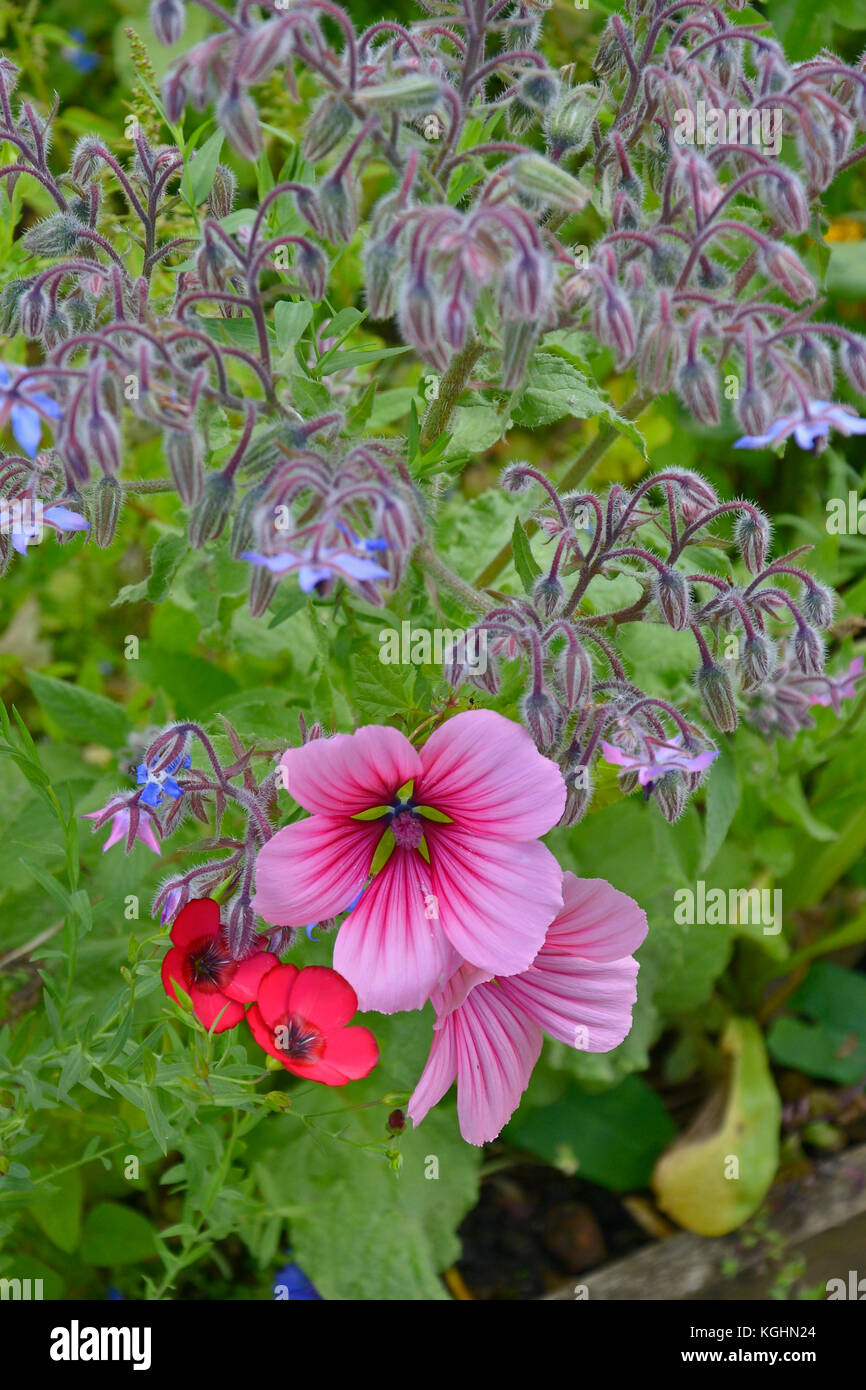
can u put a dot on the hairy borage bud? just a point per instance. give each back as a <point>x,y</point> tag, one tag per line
<point>107,502</point>
<point>211,512</point>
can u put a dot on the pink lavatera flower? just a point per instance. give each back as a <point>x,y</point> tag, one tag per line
<point>466,878</point>
<point>580,989</point>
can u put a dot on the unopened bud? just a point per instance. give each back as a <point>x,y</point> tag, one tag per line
<point>541,718</point>
<point>540,178</point>
<point>211,513</point>
<point>752,536</point>
<point>311,269</point>
<point>853,359</point>
<point>809,651</point>
<point>519,337</point>
<point>786,200</point>
<point>56,235</point>
<point>700,392</point>
<point>168,18</point>
<point>671,593</point>
<point>10,306</point>
<point>183,454</point>
<point>669,793</point>
<point>107,501</point>
<point>331,120</point>
<point>338,209</point>
<point>221,198</point>
<point>715,687</point>
<point>756,661</point>
<point>239,119</point>
<point>818,603</point>
<point>380,263</point>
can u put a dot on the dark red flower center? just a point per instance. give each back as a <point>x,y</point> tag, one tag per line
<point>406,827</point>
<point>210,965</point>
<point>298,1039</point>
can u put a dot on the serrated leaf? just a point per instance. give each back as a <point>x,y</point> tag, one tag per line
<point>80,714</point>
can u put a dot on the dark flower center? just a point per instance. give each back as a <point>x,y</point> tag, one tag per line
<point>210,964</point>
<point>299,1040</point>
<point>406,825</point>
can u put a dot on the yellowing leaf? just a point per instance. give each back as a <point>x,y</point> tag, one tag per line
<point>715,1176</point>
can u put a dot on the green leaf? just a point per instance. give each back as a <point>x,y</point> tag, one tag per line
<point>381,691</point>
<point>400,1255</point>
<point>80,714</point>
<point>833,1044</point>
<point>555,388</point>
<point>723,798</point>
<point>58,1213</point>
<point>290,321</point>
<point>717,1174</point>
<point>525,562</point>
<point>613,1138</point>
<point>201,170</point>
<point>116,1235</point>
<point>164,560</point>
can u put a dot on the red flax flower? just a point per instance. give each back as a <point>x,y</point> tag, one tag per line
<point>199,961</point>
<point>300,1018</point>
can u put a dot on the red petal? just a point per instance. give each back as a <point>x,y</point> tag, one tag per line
<point>248,975</point>
<point>176,967</point>
<point>200,918</point>
<point>273,992</point>
<point>323,997</point>
<point>207,1006</point>
<point>349,1054</point>
<point>263,1034</point>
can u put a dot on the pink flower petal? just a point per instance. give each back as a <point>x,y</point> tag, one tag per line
<point>583,1003</point>
<point>387,949</point>
<point>348,773</point>
<point>597,921</point>
<point>313,869</point>
<point>496,900</point>
<point>485,772</point>
<point>439,1073</point>
<point>497,1047</point>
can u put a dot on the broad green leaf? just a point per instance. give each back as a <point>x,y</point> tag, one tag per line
<point>612,1138</point>
<point>80,714</point>
<point>114,1234</point>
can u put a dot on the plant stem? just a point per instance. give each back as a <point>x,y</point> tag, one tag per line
<point>583,464</point>
<point>451,387</point>
<point>471,598</point>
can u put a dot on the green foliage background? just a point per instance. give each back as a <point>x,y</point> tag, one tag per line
<point>226,1174</point>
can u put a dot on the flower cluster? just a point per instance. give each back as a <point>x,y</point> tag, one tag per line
<point>460,902</point>
<point>580,703</point>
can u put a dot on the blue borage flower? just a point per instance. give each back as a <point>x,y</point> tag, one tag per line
<point>160,783</point>
<point>810,426</point>
<point>292,1284</point>
<point>329,563</point>
<point>79,57</point>
<point>26,409</point>
<point>25,525</point>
